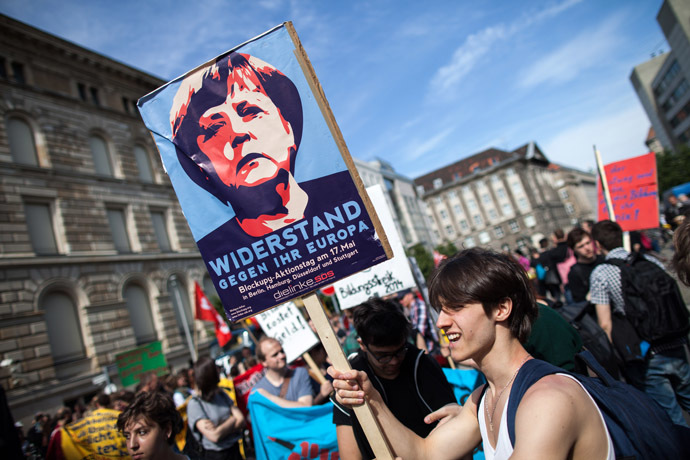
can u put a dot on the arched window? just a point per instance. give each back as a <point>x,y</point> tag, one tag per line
<point>101,156</point>
<point>180,301</point>
<point>143,163</point>
<point>21,140</point>
<point>64,332</point>
<point>140,314</point>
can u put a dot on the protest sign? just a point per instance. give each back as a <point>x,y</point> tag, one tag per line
<point>634,193</point>
<point>286,324</point>
<point>94,437</point>
<point>385,278</point>
<point>132,364</point>
<point>263,175</point>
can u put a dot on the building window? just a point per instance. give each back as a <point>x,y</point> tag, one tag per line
<point>570,209</point>
<point>486,198</point>
<point>667,78</point>
<point>675,96</point>
<point>21,140</point>
<point>449,230</point>
<point>514,227</point>
<point>39,221</point>
<point>523,204</point>
<point>101,156</point>
<point>62,322</point>
<point>3,70</point>
<point>140,314</point>
<point>484,237</point>
<point>510,172</point>
<point>180,304</point>
<point>493,214</point>
<point>680,116</point>
<point>516,187</point>
<point>161,231</point>
<point>563,193</point>
<point>507,209</point>
<point>438,199</point>
<point>469,242</point>
<point>438,183</point>
<point>452,195</point>
<point>94,96</point>
<point>477,220</point>
<point>81,88</point>
<point>530,221</point>
<point>472,204</point>
<point>464,225</point>
<point>143,163</point>
<point>466,189</point>
<point>420,190</point>
<point>495,179</point>
<point>501,192</point>
<point>457,210</point>
<point>118,228</point>
<point>18,73</point>
<point>498,231</point>
<point>444,214</point>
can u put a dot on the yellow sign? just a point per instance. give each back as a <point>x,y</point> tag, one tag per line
<point>95,437</point>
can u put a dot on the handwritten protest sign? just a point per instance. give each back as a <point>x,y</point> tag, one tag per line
<point>634,193</point>
<point>385,278</point>
<point>94,437</point>
<point>286,324</point>
<point>269,194</point>
<point>132,364</point>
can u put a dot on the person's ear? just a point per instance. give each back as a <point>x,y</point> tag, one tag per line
<point>503,310</point>
<point>361,345</point>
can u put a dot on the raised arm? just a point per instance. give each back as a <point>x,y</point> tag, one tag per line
<point>452,440</point>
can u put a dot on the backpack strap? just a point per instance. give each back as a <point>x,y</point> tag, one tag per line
<point>529,374</point>
<point>285,385</point>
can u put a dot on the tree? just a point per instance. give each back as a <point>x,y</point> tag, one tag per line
<point>425,261</point>
<point>673,168</point>
<point>448,249</point>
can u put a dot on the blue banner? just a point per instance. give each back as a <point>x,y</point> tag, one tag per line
<point>293,434</point>
<point>464,382</point>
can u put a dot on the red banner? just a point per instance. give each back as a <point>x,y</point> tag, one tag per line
<point>634,193</point>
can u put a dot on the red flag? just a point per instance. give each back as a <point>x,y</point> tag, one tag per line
<point>204,311</point>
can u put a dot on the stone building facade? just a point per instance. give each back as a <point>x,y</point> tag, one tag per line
<point>505,199</point>
<point>95,254</point>
<point>409,212</point>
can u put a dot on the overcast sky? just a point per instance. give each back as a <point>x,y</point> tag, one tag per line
<point>420,84</point>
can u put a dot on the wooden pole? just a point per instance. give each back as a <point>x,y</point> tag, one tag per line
<point>315,371</point>
<point>607,196</point>
<point>365,416</point>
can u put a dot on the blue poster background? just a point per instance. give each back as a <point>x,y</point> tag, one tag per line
<point>336,238</point>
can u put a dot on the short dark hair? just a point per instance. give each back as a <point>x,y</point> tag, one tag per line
<point>206,377</point>
<point>681,258</point>
<point>259,352</point>
<point>543,243</point>
<point>156,407</point>
<point>487,277</point>
<point>608,234</point>
<point>103,400</point>
<point>559,233</point>
<point>576,235</point>
<point>381,323</point>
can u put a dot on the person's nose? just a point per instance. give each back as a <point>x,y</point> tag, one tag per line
<point>133,443</point>
<point>443,321</point>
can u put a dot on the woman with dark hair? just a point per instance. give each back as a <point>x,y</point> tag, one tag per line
<point>212,416</point>
<point>149,425</point>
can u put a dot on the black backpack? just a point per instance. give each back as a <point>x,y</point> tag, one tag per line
<point>593,336</point>
<point>653,303</point>
<point>639,427</point>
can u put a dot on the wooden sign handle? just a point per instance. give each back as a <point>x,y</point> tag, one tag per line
<point>315,371</point>
<point>365,416</point>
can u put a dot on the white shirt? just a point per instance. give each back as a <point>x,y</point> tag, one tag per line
<point>504,448</point>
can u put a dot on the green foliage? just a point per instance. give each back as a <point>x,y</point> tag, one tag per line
<point>448,249</point>
<point>425,261</point>
<point>673,168</point>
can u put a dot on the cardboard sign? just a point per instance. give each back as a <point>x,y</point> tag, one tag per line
<point>385,278</point>
<point>286,324</point>
<point>263,175</point>
<point>132,364</point>
<point>634,193</point>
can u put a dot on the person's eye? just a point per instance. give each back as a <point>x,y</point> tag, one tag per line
<point>248,111</point>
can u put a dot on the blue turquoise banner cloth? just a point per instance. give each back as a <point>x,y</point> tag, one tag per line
<point>292,434</point>
<point>464,381</point>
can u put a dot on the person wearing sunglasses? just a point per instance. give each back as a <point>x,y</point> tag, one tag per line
<point>410,381</point>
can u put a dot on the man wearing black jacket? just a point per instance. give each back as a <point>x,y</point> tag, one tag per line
<point>578,278</point>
